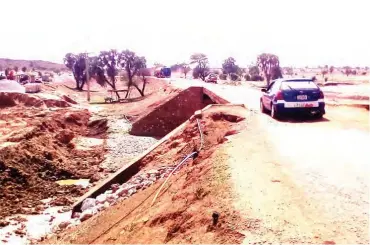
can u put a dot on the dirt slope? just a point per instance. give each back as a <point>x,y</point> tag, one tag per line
<point>183,212</point>
<point>36,150</point>
<point>170,113</point>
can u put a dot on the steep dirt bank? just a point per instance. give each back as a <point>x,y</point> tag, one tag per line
<point>28,100</point>
<point>37,150</point>
<point>184,211</point>
<point>170,113</point>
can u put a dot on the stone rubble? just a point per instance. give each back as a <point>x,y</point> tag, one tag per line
<point>116,193</point>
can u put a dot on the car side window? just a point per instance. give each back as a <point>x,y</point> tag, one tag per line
<point>275,87</point>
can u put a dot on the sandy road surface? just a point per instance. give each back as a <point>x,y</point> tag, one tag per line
<point>322,169</point>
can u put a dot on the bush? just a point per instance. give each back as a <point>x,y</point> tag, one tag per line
<point>222,76</point>
<point>234,77</point>
<point>326,79</point>
<point>195,73</point>
<point>257,78</point>
<point>247,77</point>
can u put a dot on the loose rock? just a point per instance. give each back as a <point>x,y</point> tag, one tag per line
<point>4,223</point>
<point>86,215</point>
<point>64,224</point>
<point>88,203</point>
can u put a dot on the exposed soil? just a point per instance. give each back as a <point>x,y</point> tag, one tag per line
<point>38,151</point>
<point>28,100</point>
<point>184,211</point>
<point>171,113</point>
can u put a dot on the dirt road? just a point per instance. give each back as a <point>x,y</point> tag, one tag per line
<point>321,170</point>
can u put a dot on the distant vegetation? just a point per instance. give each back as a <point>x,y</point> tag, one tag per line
<point>106,66</point>
<point>270,66</point>
<point>31,65</point>
<point>201,69</point>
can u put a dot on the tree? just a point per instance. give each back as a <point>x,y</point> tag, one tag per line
<point>144,73</point>
<point>202,69</point>
<point>347,70</point>
<point>268,63</point>
<point>24,69</point>
<point>109,62</point>
<point>77,64</point>
<point>324,72</point>
<point>229,66</point>
<point>185,68</point>
<point>331,69</point>
<point>276,73</point>
<point>253,70</point>
<point>16,69</point>
<point>240,71</point>
<point>132,63</point>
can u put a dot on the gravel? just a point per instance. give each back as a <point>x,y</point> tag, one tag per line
<point>122,146</point>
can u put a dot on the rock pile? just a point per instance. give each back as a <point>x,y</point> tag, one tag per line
<point>116,193</point>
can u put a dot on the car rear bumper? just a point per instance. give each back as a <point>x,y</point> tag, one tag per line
<point>310,107</point>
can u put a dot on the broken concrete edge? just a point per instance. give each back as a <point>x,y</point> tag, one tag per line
<point>125,173</point>
<point>214,97</point>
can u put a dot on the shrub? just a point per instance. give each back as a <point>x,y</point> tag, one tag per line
<point>195,73</point>
<point>256,78</point>
<point>247,77</point>
<point>222,76</point>
<point>234,77</point>
<point>326,79</point>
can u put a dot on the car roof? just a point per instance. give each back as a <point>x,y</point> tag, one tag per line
<point>298,79</point>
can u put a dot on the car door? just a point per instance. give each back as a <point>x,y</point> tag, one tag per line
<point>272,92</point>
<point>266,96</point>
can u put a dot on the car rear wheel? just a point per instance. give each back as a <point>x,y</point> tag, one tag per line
<point>274,113</point>
<point>319,115</point>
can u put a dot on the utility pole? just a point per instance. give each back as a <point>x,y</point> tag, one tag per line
<point>87,77</point>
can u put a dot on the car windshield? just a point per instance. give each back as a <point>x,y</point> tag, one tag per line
<point>298,84</point>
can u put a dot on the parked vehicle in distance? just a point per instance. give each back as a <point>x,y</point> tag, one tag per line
<point>211,78</point>
<point>299,95</point>
<point>163,72</point>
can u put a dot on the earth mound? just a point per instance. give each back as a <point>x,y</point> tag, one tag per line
<point>170,113</point>
<point>39,153</point>
<point>14,98</point>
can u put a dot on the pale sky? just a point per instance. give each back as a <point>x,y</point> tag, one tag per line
<point>300,32</point>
